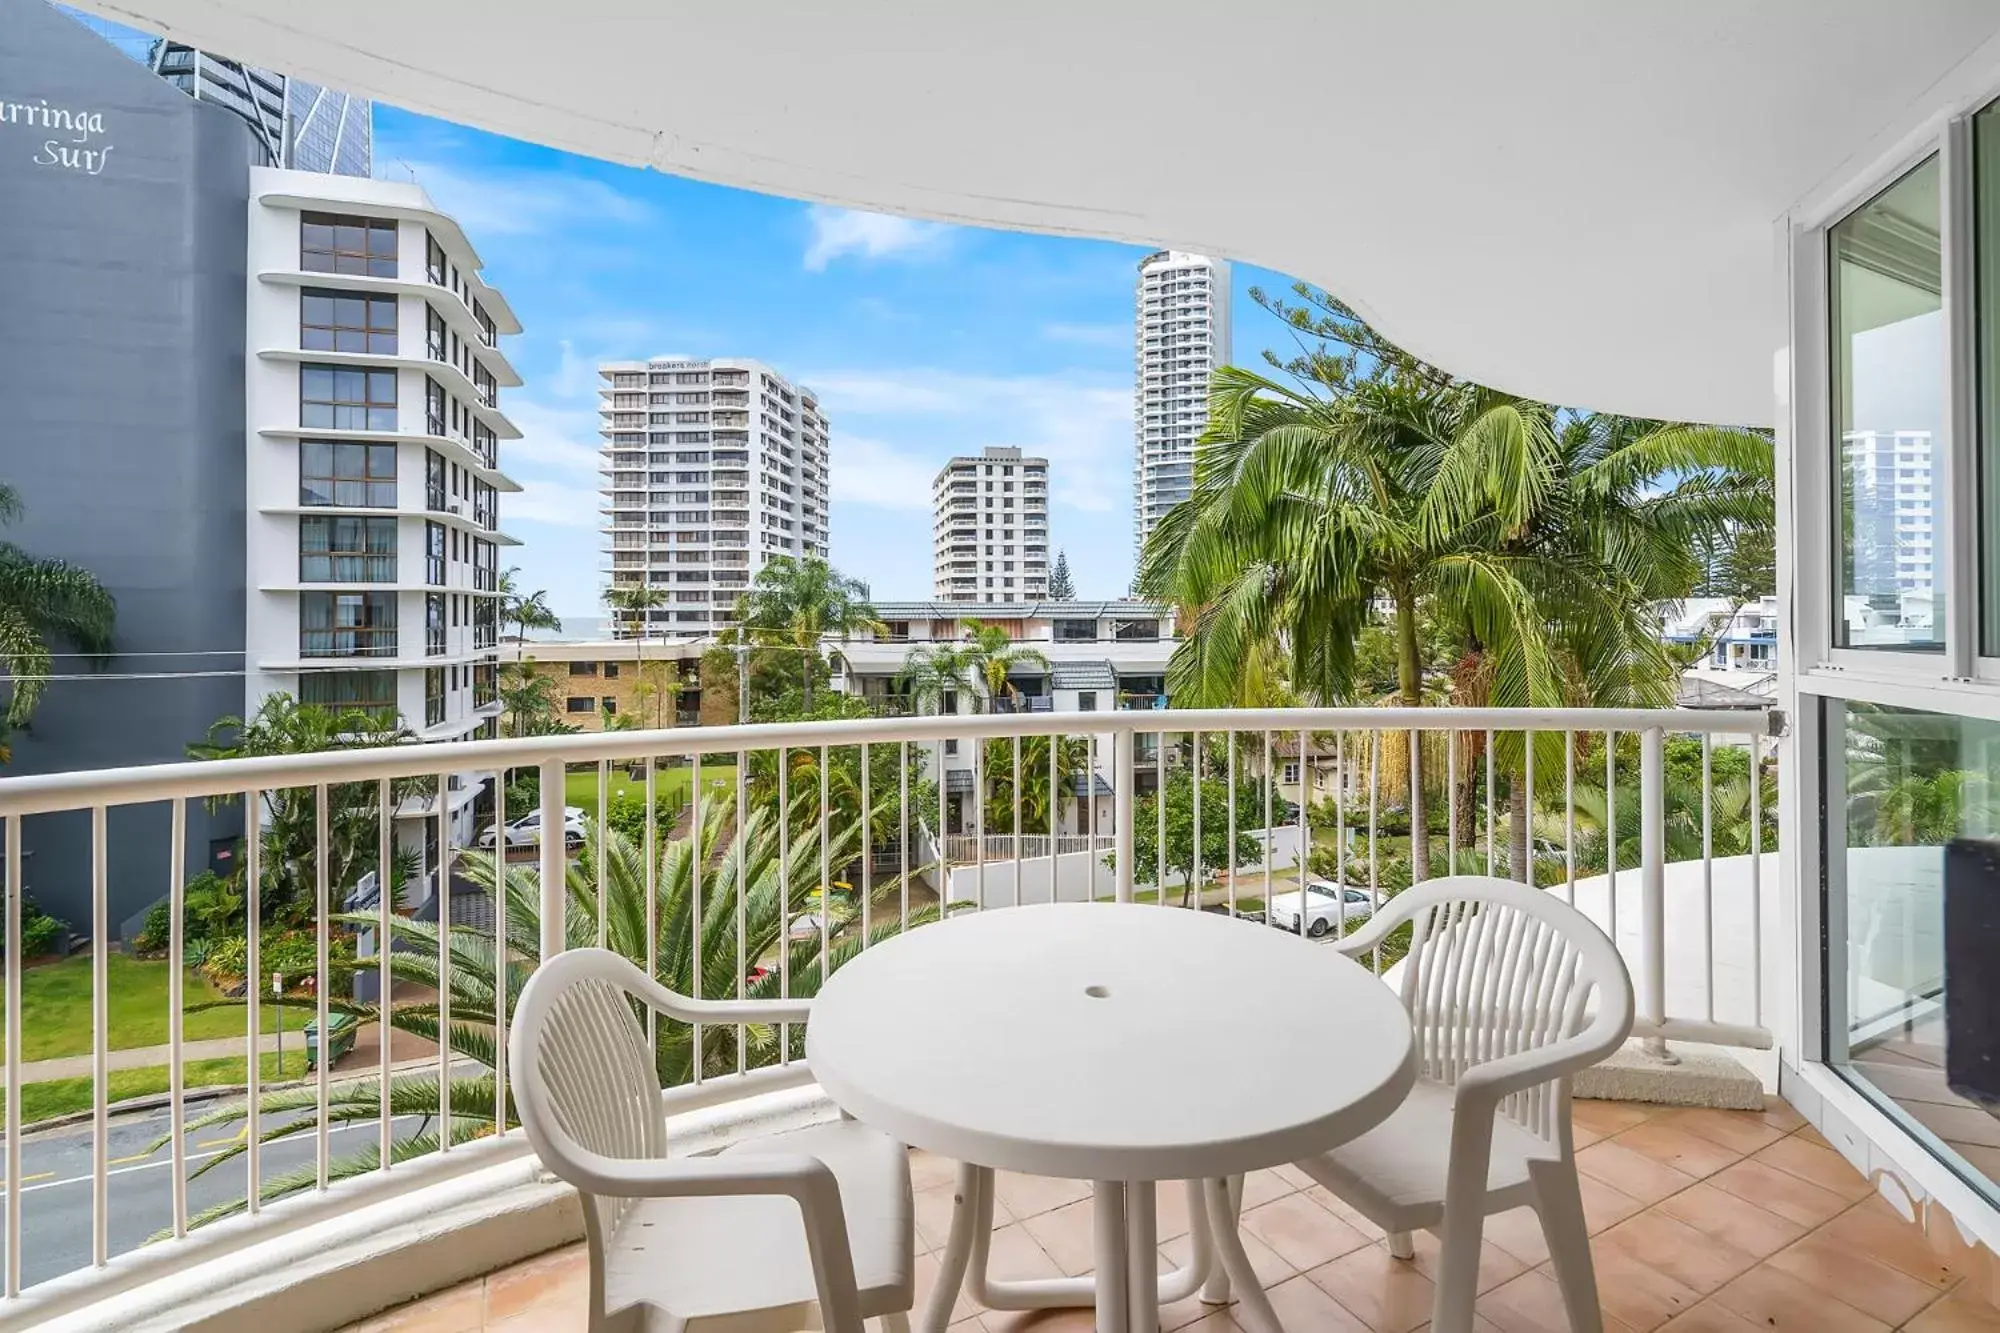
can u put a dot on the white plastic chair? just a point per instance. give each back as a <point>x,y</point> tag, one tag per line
<point>812,1228</point>
<point>1510,992</point>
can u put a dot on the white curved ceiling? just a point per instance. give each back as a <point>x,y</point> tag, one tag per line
<point>1567,198</point>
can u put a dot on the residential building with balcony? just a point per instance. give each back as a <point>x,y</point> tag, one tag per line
<point>1180,334</point>
<point>990,528</point>
<point>601,684</point>
<point>709,470</point>
<point>373,371</point>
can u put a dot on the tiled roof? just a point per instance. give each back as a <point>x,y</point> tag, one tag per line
<point>1096,675</point>
<point>1017,610</point>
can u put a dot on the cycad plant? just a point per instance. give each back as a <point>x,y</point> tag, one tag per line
<point>688,887</point>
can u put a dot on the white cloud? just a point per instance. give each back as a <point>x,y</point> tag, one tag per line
<point>842,231</point>
<point>522,203</point>
<point>1081,424</point>
<point>868,472</point>
<point>1089,335</point>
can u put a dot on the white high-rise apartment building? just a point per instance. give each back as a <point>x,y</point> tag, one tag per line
<point>1181,333</point>
<point>373,481</point>
<point>710,469</point>
<point>990,534</point>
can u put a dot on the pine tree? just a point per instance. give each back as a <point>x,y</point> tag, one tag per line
<point>1060,587</point>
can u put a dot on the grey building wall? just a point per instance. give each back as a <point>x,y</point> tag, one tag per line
<point>122,295</point>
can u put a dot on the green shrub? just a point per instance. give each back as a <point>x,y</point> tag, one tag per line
<point>294,953</point>
<point>627,814</point>
<point>41,934</point>
<point>212,909</point>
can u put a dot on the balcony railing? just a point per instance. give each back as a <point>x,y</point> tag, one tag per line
<point>989,774</point>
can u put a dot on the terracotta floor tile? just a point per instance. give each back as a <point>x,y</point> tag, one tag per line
<point>1519,1232</point>
<point>559,1279</point>
<point>1480,1324</point>
<point>1807,1134</point>
<point>1819,1166</point>
<point>1025,1196</point>
<point>928,1169</point>
<point>1016,1256</point>
<point>1852,1275</point>
<point>1631,1172</point>
<point>1635,1291</point>
<point>1662,1242</point>
<point>1292,1176</point>
<point>1495,1264</point>
<point>1780,1303</point>
<point>1710,1316</point>
<point>1873,1227</point>
<point>1216,1321</point>
<point>1266,1263</point>
<point>1780,1192</point>
<point>1388,1295</point>
<point>1343,1210</point>
<point>1532,1303</point>
<point>1607,1118</point>
<point>1742,1132</point>
<point>540,1321</point>
<point>1068,1236</point>
<point>461,1309</point>
<point>1171,1209</point>
<point>1039,1321</point>
<point>1781,1114</point>
<point>1605,1206</point>
<point>1264,1186</point>
<point>933,1214</point>
<point>1736,1222</point>
<point>1304,1234</point>
<point>1679,1147</point>
<point>1302,1304</point>
<point>1960,1312</point>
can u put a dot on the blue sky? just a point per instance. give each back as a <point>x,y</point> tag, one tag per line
<point>922,340</point>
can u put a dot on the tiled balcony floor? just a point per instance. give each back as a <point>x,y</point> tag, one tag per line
<point>1705,1222</point>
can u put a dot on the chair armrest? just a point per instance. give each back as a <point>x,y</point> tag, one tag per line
<point>691,1009</point>
<point>801,1177</point>
<point>1483,1086</point>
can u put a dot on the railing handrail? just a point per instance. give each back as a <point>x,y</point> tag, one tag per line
<point>49,792</point>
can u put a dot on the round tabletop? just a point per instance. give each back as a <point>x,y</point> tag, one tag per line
<point>1102,1041</point>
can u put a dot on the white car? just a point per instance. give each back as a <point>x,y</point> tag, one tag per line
<point>1325,905</point>
<point>527,830</point>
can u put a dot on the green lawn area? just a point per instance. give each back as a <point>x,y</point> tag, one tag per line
<point>61,1096</point>
<point>580,789</point>
<point>55,1007</point>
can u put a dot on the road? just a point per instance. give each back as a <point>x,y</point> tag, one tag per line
<point>56,1194</point>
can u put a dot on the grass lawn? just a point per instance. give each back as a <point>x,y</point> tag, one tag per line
<point>580,789</point>
<point>55,1007</point>
<point>61,1096</point>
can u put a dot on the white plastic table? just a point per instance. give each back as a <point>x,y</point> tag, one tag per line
<point>1116,1043</point>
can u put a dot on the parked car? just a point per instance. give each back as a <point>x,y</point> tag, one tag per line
<point>1324,905</point>
<point>527,830</point>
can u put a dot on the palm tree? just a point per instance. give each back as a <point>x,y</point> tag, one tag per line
<point>633,604</point>
<point>525,611</point>
<point>1072,760</point>
<point>657,692</point>
<point>42,602</point>
<point>528,700</point>
<point>797,603</point>
<point>992,653</point>
<point>933,670</point>
<point>775,892</point>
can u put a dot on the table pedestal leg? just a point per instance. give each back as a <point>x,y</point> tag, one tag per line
<point>965,1224</point>
<point>1113,1269</point>
<point>1253,1309</point>
<point>1142,1257</point>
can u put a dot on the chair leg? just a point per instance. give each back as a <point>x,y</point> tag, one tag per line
<point>894,1323</point>
<point>1401,1245</point>
<point>1559,1205</point>
<point>958,1248</point>
<point>1458,1268</point>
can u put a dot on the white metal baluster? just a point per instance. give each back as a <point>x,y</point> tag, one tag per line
<point>742,893</point>
<point>785,899</point>
<point>1653,882</point>
<point>1416,802</point>
<point>868,841</point>
<point>1160,810</point>
<point>100,1037</point>
<point>1611,827</point>
<point>553,854</point>
<point>1015,745</point>
<point>1527,874</point>
<point>1708,875</point>
<point>1196,872</point>
<point>1569,817</point>
<point>1374,855</point>
<point>694,885</point>
<point>1339,830</point>
<point>652,898</point>
<point>1230,777</point>
<point>1055,802</point>
<point>253,920</point>
<point>501,954</point>
<point>1305,834</point>
<point>1123,841</point>
<point>323,908</point>
<point>943,840</point>
<point>176,974</point>
<point>903,831</point>
<point>444,965</point>
<point>603,838</point>
<point>1270,829</point>
<point>1451,743</point>
<point>1489,804</point>
<point>1757,880</point>
<point>15,891</point>
<point>825,869</point>
<point>979,819</point>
